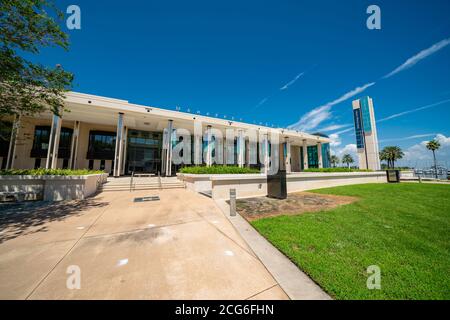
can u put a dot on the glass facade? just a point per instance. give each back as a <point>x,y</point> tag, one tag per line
<point>313,157</point>
<point>358,128</point>
<point>102,145</point>
<point>365,114</point>
<point>5,137</point>
<point>144,151</point>
<point>326,156</point>
<point>42,137</point>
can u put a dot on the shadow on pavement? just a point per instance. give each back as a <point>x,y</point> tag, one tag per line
<point>23,218</point>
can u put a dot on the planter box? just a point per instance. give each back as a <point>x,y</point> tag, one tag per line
<point>53,188</point>
<point>255,185</point>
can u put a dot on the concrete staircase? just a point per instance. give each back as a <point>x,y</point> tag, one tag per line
<point>141,183</point>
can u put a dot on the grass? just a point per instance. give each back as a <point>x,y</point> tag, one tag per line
<point>337,169</point>
<point>218,170</point>
<point>49,172</point>
<point>402,228</point>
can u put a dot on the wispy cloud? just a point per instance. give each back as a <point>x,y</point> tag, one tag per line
<point>416,136</point>
<point>344,131</point>
<point>396,115</point>
<point>316,116</point>
<point>418,57</point>
<point>262,102</point>
<point>334,127</point>
<point>285,87</point>
<point>290,83</point>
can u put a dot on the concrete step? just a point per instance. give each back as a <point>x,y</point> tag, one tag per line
<point>148,186</point>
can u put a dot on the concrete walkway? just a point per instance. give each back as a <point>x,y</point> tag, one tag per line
<point>181,247</point>
<point>296,284</point>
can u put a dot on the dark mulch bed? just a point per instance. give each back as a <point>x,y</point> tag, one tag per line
<point>296,203</point>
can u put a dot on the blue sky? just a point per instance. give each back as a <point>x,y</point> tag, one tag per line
<point>272,62</point>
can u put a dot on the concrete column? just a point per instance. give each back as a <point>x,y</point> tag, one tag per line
<point>241,148</point>
<point>74,145</point>
<point>119,146</point>
<point>266,154</point>
<point>168,150</point>
<point>13,143</point>
<point>229,146</point>
<point>208,147</point>
<point>319,154</point>
<point>53,143</point>
<point>288,156</point>
<point>198,149</point>
<point>124,156</point>
<point>305,155</point>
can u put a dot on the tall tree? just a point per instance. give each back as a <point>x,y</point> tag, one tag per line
<point>347,159</point>
<point>27,88</point>
<point>391,154</point>
<point>334,160</point>
<point>434,145</point>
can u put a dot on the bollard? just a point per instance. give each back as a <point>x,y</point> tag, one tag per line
<point>420,179</point>
<point>232,202</point>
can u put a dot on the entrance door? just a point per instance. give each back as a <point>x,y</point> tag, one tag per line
<point>144,151</point>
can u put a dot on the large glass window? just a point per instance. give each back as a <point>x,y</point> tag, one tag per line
<point>5,137</point>
<point>144,151</point>
<point>313,157</point>
<point>102,145</point>
<point>326,156</point>
<point>41,140</point>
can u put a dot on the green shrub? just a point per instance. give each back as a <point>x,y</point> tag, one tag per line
<point>48,172</point>
<point>336,170</point>
<point>218,170</point>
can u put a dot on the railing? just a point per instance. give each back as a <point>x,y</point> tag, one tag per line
<point>160,181</point>
<point>131,181</point>
<point>440,173</point>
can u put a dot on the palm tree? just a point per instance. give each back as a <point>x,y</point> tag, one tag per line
<point>434,145</point>
<point>391,154</point>
<point>347,159</point>
<point>384,157</point>
<point>334,160</point>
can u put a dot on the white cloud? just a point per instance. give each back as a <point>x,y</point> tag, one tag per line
<point>396,115</point>
<point>290,83</point>
<point>286,86</point>
<point>420,56</point>
<point>419,156</point>
<point>416,136</point>
<point>335,140</point>
<point>347,149</point>
<point>316,116</point>
<point>345,131</point>
<point>334,127</point>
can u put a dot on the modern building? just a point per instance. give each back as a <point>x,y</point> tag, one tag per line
<point>120,138</point>
<point>366,134</point>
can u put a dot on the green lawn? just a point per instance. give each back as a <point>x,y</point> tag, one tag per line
<point>402,228</point>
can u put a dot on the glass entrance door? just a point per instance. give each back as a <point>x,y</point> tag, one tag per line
<point>144,151</point>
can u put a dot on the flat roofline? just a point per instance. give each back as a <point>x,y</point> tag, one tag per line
<point>125,105</point>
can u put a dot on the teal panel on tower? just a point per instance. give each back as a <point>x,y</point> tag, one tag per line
<point>326,156</point>
<point>365,113</point>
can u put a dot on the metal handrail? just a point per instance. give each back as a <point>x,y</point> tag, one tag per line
<point>159,181</point>
<point>131,181</point>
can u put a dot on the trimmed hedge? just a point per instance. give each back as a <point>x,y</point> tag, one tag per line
<point>48,172</point>
<point>218,170</point>
<point>336,170</point>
